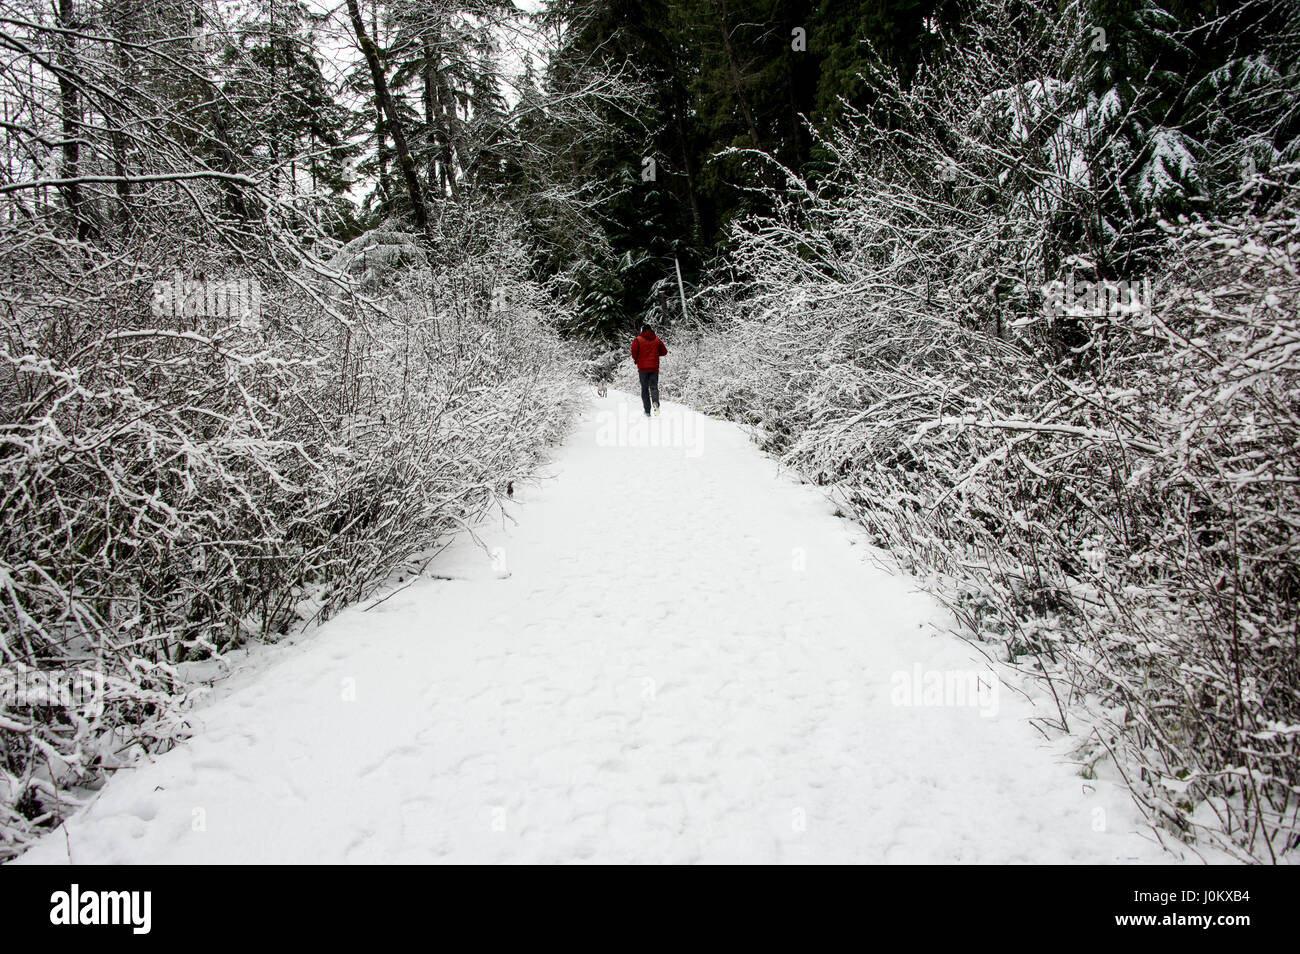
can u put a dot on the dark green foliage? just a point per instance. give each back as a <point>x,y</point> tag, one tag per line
<point>732,106</point>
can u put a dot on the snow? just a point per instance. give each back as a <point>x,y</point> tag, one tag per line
<point>675,653</point>
<point>1171,164</point>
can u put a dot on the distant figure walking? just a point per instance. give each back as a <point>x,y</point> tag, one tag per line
<point>646,351</point>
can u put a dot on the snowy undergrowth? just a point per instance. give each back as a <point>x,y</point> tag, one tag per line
<point>687,695</point>
<point>995,332</point>
<point>1107,491</point>
<point>1126,535</point>
<point>176,487</point>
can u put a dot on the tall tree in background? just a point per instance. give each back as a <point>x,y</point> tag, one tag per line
<point>736,88</point>
<point>394,125</point>
<point>303,125</point>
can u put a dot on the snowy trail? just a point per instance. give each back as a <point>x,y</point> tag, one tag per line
<point>690,660</point>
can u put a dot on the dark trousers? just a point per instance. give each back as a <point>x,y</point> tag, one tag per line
<point>649,388</point>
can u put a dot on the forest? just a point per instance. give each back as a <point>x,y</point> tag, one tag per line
<point>292,292</point>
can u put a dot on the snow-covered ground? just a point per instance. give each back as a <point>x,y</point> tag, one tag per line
<point>676,654</point>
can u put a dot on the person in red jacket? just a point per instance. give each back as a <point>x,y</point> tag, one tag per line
<point>646,351</point>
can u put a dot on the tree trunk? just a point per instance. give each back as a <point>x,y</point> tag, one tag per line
<point>679,112</point>
<point>70,110</point>
<point>450,132</point>
<point>127,76</point>
<point>441,122</point>
<point>392,121</point>
<point>736,82</point>
<point>429,99</point>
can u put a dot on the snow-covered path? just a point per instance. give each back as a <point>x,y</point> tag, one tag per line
<point>689,660</point>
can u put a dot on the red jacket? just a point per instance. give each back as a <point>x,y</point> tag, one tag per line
<point>646,350</point>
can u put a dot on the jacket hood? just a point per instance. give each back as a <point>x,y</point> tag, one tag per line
<point>647,335</point>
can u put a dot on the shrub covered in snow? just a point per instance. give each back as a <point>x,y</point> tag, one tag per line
<point>1110,488</point>
<point>176,485</point>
